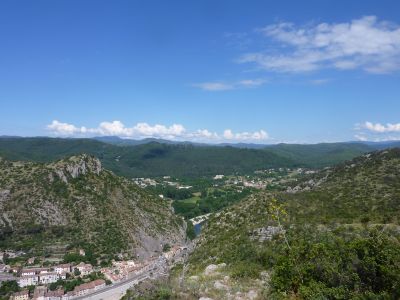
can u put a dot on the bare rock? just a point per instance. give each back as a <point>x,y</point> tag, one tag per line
<point>251,295</point>
<point>220,286</point>
<point>213,269</point>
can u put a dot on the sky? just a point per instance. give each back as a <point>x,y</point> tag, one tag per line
<point>207,71</point>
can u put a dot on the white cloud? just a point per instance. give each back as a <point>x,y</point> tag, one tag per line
<point>361,137</point>
<point>246,136</point>
<point>228,134</point>
<point>251,82</point>
<point>64,128</point>
<point>145,130</point>
<point>214,86</point>
<point>320,81</point>
<point>379,128</point>
<point>363,43</point>
<point>220,86</point>
<point>377,132</point>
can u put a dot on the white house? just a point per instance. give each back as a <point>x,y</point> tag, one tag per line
<point>85,269</point>
<point>47,278</point>
<point>28,272</point>
<point>28,280</point>
<point>65,268</point>
<point>33,271</point>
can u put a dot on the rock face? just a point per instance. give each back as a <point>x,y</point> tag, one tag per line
<point>77,165</point>
<point>77,202</point>
<point>265,233</point>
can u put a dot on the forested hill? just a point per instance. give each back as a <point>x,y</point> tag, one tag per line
<point>182,159</point>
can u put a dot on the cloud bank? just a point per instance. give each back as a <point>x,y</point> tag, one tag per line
<point>364,43</point>
<point>369,131</point>
<point>144,130</point>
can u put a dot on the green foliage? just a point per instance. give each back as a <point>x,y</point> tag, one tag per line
<point>77,272</point>
<point>73,258</point>
<point>182,160</point>
<point>214,201</point>
<point>98,212</point>
<point>330,266</point>
<point>341,238</point>
<point>190,232</point>
<point>158,292</point>
<point>166,247</point>
<point>7,288</point>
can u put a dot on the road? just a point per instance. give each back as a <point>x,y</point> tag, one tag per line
<point>115,291</point>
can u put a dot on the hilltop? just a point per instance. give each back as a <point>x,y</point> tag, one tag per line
<point>77,203</point>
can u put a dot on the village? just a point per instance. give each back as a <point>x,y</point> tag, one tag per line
<point>260,179</point>
<point>38,282</point>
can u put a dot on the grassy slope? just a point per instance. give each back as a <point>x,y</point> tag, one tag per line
<point>328,218</point>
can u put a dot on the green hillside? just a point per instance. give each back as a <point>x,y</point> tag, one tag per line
<point>180,160</point>
<point>320,155</point>
<point>77,203</point>
<point>338,237</point>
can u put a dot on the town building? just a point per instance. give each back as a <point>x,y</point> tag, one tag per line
<point>24,295</point>
<point>54,295</point>
<point>33,271</point>
<point>39,293</point>
<point>49,277</point>
<point>89,287</point>
<point>64,268</point>
<point>85,269</point>
<point>28,280</point>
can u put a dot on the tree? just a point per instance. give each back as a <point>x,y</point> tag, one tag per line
<point>8,287</point>
<point>166,247</point>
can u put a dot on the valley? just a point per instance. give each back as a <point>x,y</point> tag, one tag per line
<point>217,236</point>
<point>199,150</point>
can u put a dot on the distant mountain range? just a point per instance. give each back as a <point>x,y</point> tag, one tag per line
<point>115,140</point>
<point>155,157</point>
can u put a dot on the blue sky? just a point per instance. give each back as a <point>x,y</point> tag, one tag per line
<point>213,71</point>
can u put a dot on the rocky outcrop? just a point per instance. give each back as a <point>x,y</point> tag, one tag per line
<point>75,166</point>
<point>265,233</point>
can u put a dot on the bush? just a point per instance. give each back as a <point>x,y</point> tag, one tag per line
<point>332,267</point>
